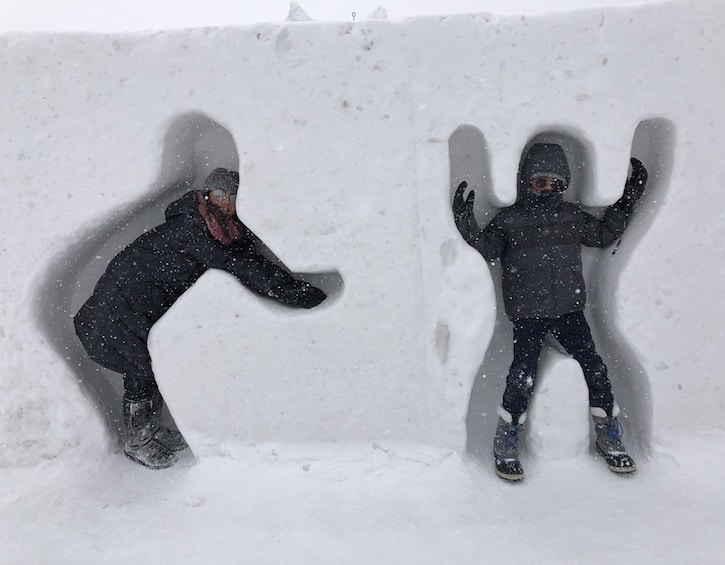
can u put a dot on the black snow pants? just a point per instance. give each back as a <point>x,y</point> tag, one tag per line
<point>113,345</point>
<point>574,334</point>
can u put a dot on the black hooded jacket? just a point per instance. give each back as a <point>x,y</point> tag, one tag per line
<point>539,239</point>
<point>149,275</point>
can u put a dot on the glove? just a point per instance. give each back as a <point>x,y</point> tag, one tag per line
<point>309,296</point>
<point>463,211</point>
<point>297,294</point>
<point>634,187</point>
<point>637,180</point>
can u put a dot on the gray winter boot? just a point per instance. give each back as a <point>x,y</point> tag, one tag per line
<point>609,441</point>
<point>140,423</point>
<point>506,446</point>
<point>170,439</point>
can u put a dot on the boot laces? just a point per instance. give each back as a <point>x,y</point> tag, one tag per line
<point>512,437</point>
<point>614,429</point>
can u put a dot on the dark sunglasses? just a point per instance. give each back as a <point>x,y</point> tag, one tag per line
<point>541,183</point>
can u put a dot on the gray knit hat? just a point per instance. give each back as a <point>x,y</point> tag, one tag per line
<point>225,179</point>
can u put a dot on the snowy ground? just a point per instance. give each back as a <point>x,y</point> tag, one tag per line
<point>361,505</point>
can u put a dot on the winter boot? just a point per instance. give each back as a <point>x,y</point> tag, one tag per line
<point>170,439</point>
<point>506,446</point>
<point>141,422</point>
<point>609,441</point>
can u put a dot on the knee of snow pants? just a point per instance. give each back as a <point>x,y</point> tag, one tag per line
<point>111,344</point>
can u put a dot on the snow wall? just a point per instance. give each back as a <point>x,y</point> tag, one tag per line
<point>349,138</point>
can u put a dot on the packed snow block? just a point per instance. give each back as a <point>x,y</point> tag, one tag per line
<point>343,135</point>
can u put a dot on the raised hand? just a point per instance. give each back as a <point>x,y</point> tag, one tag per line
<point>637,180</point>
<point>309,296</point>
<point>463,211</point>
<point>634,187</point>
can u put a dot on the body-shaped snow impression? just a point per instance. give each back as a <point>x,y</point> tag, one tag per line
<point>554,429</point>
<point>539,241</point>
<point>148,275</point>
<point>201,231</point>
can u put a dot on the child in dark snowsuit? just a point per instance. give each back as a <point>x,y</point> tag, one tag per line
<point>201,232</point>
<point>538,241</point>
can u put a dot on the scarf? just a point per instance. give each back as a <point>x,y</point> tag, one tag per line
<point>225,229</point>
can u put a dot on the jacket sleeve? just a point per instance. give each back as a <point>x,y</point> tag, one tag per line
<point>489,241</point>
<point>252,269</point>
<point>267,279</point>
<point>602,232</point>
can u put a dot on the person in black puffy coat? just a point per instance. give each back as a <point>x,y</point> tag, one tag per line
<point>201,232</point>
<point>538,241</point>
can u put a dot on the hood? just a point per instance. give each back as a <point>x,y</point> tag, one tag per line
<point>543,159</point>
<point>188,204</point>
